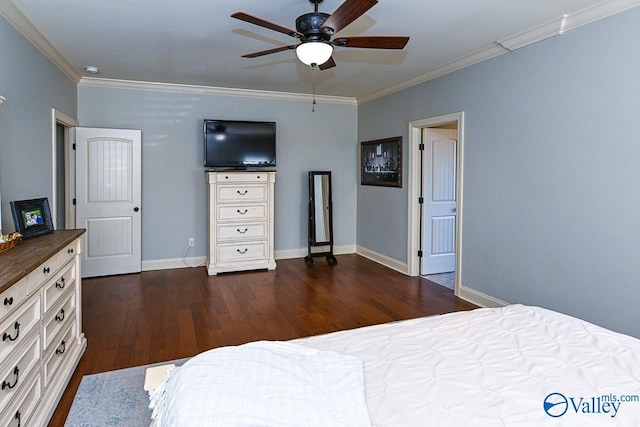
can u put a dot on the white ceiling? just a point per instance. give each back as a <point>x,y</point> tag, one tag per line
<point>196,42</point>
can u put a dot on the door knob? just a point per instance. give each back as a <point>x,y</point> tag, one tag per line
<point>136,209</point>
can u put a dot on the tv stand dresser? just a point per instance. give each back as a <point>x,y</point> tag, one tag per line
<point>40,325</point>
<point>240,221</point>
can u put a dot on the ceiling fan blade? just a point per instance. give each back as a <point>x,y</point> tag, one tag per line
<point>269,51</point>
<point>346,13</point>
<point>266,24</point>
<point>329,64</point>
<point>373,42</point>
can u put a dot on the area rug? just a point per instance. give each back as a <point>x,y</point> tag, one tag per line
<point>113,399</point>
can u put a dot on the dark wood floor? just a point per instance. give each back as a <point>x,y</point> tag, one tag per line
<point>157,316</point>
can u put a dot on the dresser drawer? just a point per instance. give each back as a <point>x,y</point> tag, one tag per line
<point>20,409</point>
<point>59,318</point>
<point>61,346</point>
<point>56,288</point>
<point>248,231</point>
<point>246,177</point>
<point>70,251</point>
<point>15,328</point>
<point>14,372</point>
<point>242,212</point>
<point>238,252</point>
<point>11,299</point>
<point>241,193</point>
<point>42,273</point>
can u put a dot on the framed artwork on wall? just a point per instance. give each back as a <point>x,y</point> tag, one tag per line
<point>32,217</point>
<point>381,162</point>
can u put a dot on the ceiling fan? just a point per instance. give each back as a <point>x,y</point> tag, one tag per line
<point>315,31</point>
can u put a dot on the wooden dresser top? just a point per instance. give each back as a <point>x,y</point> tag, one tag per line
<point>22,259</point>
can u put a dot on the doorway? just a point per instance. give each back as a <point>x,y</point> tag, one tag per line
<point>63,170</point>
<point>448,152</point>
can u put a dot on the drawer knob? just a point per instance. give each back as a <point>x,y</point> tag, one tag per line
<point>6,384</point>
<point>60,285</point>
<point>242,232</point>
<point>6,336</point>
<point>64,347</point>
<point>243,212</point>
<point>46,270</point>
<point>8,301</point>
<point>243,193</point>
<point>70,250</point>
<point>60,317</point>
<point>242,252</point>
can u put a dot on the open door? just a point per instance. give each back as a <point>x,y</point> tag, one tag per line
<point>439,204</point>
<point>108,199</point>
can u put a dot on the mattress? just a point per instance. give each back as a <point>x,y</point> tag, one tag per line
<point>510,366</point>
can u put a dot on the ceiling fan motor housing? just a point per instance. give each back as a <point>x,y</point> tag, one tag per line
<point>309,24</point>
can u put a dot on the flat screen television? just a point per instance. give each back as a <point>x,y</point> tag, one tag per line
<point>239,144</point>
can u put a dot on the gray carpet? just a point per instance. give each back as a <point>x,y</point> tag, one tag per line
<point>443,279</point>
<point>111,399</point>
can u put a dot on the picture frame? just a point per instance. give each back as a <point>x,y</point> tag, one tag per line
<point>32,217</point>
<point>381,162</point>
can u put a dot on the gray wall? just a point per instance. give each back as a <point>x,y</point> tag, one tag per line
<point>32,86</point>
<point>174,194</point>
<point>551,199</point>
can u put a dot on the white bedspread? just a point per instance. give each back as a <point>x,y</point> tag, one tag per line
<point>494,367</point>
<point>263,384</point>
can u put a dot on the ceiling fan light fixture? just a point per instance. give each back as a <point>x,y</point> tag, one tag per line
<point>314,52</point>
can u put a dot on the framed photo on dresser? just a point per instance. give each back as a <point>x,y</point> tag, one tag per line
<point>32,217</point>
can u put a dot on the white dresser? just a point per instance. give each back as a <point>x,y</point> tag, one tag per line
<point>40,325</point>
<point>240,221</point>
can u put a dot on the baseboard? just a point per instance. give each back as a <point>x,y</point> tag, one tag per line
<point>387,261</point>
<point>168,264</point>
<point>302,252</point>
<point>480,299</point>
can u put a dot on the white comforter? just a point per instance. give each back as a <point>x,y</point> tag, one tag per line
<point>493,367</point>
<point>263,384</point>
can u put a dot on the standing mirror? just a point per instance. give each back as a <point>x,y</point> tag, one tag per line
<point>320,217</point>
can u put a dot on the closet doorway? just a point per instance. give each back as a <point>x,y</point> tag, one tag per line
<point>435,198</point>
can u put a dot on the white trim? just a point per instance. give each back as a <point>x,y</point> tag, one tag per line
<point>458,64</point>
<point>413,220</point>
<point>597,12</point>
<point>382,259</point>
<point>171,263</point>
<point>566,22</point>
<point>538,33</point>
<point>20,22</point>
<point>480,299</point>
<point>210,90</point>
<point>200,261</point>
<point>302,252</point>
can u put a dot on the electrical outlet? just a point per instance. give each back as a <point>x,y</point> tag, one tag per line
<point>192,241</point>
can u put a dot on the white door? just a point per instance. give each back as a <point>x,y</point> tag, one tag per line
<point>108,195</point>
<point>439,206</point>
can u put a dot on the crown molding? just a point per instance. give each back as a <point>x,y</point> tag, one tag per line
<point>458,64</point>
<point>554,27</point>
<point>598,11</point>
<point>551,28</point>
<point>20,22</point>
<point>211,90</point>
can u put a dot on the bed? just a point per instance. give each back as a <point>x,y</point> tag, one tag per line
<point>511,366</point>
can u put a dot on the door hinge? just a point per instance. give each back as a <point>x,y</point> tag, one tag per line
<point>74,146</point>
<point>421,147</point>
<point>420,254</point>
<point>421,200</point>
<point>74,202</point>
